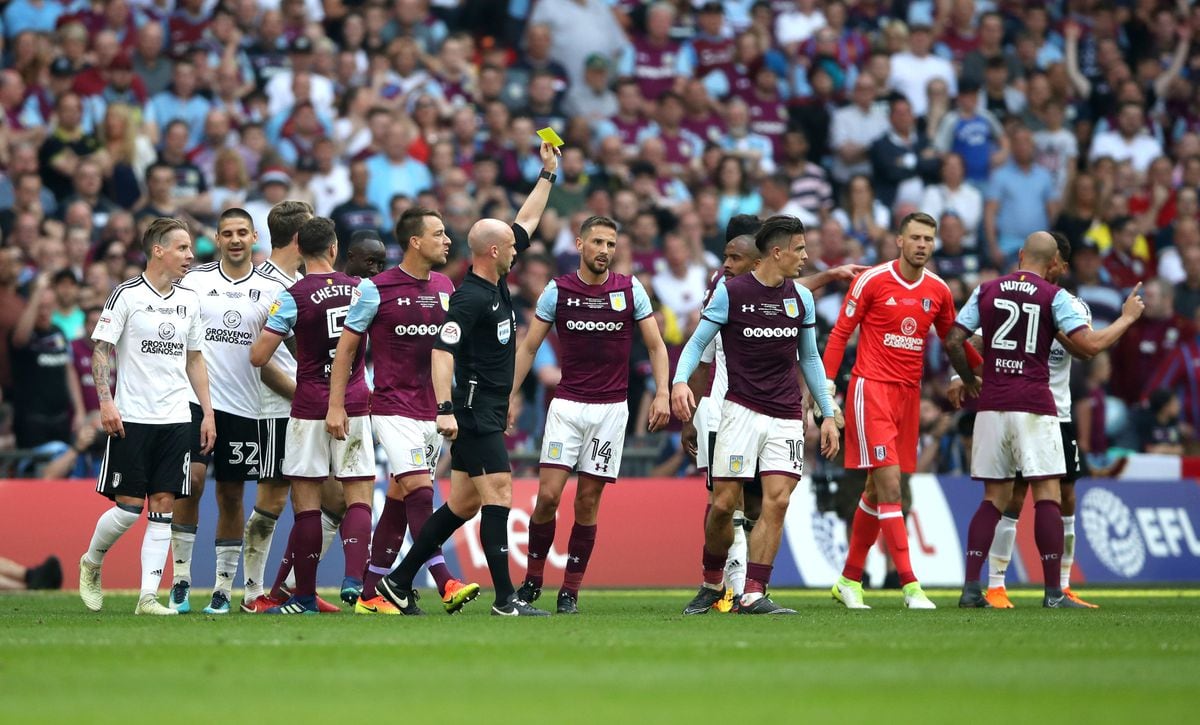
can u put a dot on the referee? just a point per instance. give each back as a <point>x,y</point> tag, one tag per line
<point>477,348</point>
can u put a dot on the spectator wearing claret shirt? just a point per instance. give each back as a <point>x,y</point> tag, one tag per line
<point>654,60</point>
<point>1125,268</point>
<point>1155,336</point>
<point>710,50</point>
<point>681,146</point>
<point>628,123</point>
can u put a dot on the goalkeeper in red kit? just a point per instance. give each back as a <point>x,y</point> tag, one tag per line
<point>894,304</point>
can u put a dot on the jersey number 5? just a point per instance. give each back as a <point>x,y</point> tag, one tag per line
<point>1000,340</point>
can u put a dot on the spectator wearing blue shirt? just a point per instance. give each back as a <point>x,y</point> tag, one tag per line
<point>180,102</point>
<point>40,16</point>
<point>394,172</point>
<point>972,133</point>
<point>1021,199</point>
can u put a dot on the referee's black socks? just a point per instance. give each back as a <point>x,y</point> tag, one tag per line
<point>440,526</point>
<point>493,534</point>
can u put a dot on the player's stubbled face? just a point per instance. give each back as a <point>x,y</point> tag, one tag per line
<point>435,242</point>
<point>793,256</point>
<point>235,240</point>
<point>916,243</point>
<point>598,249</point>
<point>737,261</point>
<point>177,252</point>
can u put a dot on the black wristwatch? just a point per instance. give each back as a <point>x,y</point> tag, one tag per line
<point>548,175</point>
<point>445,408</point>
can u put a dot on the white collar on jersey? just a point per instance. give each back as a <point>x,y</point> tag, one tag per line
<point>899,278</point>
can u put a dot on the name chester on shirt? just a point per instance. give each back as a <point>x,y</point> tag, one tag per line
<point>333,290</point>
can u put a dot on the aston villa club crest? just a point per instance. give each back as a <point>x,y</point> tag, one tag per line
<point>616,300</point>
<point>736,464</point>
<point>791,307</point>
<point>445,300</point>
<point>554,451</point>
<point>418,456</point>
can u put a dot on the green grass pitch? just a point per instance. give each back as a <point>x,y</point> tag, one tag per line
<point>630,657</point>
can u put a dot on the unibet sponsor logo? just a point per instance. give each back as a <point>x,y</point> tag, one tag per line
<point>903,342</point>
<point>1123,538</point>
<point>594,326</point>
<point>770,332</point>
<point>421,330</point>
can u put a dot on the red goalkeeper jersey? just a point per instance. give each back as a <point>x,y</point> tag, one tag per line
<point>894,317</point>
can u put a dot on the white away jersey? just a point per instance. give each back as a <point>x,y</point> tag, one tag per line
<point>272,404</point>
<point>152,334</point>
<point>1060,364</point>
<point>232,312</point>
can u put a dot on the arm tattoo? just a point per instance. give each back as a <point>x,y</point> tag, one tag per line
<point>957,355</point>
<point>101,364</point>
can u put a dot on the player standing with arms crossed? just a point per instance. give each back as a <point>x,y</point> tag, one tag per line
<point>474,357</point>
<point>765,318</point>
<point>315,309</point>
<point>1017,429</point>
<point>593,311</point>
<point>895,304</point>
<point>401,310</point>
<point>154,327</point>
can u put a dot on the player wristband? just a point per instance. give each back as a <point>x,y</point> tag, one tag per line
<point>954,377</point>
<point>445,408</point>
<point>548,175</point>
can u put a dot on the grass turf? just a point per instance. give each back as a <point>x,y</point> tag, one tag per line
<point>630,657</point>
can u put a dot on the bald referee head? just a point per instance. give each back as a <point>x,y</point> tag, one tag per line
<point>493,248</point>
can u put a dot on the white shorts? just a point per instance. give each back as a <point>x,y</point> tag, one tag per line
<point>1007,443</point>
<point>412,446</point>
<point>707,420</point>
<point>312,454</point>
<point>748,441</point>
<point>585,437</point>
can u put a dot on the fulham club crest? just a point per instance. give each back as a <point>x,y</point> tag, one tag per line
<point>926,304</point>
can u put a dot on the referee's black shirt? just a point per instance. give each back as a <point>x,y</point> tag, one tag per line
<point>481,332</point>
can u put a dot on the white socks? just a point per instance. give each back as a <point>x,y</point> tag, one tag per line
<point>735,561</point>
<point>229,551</point>
<point>329,528</point>
<point>1068,557</point>
<point>109,527</point>
<point>183,540</point>
<point>155,544</point>
<point>260,529</point>
<point>1001,551</point>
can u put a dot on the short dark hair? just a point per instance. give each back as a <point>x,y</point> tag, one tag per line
<point>779,228</point>
<point>157,232</point>
<point>316,236</point>
<point>235,212</point>
<point>159,165</point>
<point>740,224</point>
<point>64,274</point>
<point>1120,223</point>
<point>596,221</point>
<point>1064,245</point>
<point>918,217</point>
<point>412,223</point>
<point>361,237</point>
<point>285,219</point>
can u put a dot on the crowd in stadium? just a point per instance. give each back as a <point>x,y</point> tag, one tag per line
<point>996,117</point>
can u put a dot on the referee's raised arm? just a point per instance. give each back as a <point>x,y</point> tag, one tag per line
<point>531,211</point>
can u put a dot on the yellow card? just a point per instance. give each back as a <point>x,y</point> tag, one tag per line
<point>548,135</point>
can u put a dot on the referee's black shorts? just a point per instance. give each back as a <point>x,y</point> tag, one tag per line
<point>478,454</point>
<point>151,458</point>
